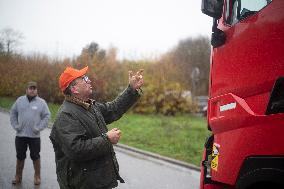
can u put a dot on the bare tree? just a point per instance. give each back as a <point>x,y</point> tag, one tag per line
<point>190,54</point>
<point>1,48</point>
<point>92,49</point>
<point>10,40</point>
<point>93,52</point>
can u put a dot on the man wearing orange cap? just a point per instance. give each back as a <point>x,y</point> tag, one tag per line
<point>83,145</point>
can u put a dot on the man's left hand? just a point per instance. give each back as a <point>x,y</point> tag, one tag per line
<point>136,79</point>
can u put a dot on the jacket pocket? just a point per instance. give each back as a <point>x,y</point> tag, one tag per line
<point>63,173</point>
<point>101,176</point>
<point>35,130</point>
<point>62,178</point>
<point>20,126</point>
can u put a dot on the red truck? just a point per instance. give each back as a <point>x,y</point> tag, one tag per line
<point>246,95</point>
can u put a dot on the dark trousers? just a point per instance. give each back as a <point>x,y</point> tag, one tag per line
<point>22,144</point>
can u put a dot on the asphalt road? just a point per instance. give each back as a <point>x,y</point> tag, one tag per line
<point>139,171</point>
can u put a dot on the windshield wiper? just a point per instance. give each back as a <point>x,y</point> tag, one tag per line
<point>246,13</point>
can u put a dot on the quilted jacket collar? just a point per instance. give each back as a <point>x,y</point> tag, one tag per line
<point>80,102</point>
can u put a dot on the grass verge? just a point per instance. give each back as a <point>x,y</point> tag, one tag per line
<point>180,137</point>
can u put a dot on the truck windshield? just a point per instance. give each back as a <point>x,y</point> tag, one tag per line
<point>237,10</point>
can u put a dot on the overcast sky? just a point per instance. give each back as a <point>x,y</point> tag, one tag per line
<point>137,28</point>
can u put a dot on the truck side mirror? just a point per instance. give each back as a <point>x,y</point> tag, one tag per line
<point>212,8</point>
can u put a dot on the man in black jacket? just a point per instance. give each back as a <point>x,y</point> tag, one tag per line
<point>84,154</point>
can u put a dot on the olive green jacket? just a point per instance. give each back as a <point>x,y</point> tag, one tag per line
<point>84,156</point>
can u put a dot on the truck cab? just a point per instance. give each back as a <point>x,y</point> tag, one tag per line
<point>246,95</point>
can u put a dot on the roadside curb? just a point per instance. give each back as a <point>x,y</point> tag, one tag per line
<point>4,110</point>
<point>143,152</point>
<point>157,156</point>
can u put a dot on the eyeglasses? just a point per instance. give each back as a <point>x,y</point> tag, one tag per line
<point>32,88</point>
<point>86,79</point>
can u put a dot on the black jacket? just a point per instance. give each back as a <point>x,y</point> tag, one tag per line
<point>84,157</point>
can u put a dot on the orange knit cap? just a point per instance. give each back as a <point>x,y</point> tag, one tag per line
<point>69,75</point>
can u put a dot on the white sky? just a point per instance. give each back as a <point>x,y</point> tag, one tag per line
<point>137,28</point>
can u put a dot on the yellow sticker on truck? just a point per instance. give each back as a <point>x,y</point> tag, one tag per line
<point>215,156</point>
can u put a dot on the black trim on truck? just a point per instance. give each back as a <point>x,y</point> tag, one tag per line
<point>261,172</point>
<point>206,163</point>
<point>276,100</point>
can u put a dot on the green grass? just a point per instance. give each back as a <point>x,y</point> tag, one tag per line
<point>6,102</point>
<point>53,108</point>
<point>180,137</point>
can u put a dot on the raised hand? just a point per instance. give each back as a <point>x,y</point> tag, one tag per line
<point>136,79</point>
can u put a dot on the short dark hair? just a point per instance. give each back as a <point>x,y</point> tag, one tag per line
<point>68,91</point>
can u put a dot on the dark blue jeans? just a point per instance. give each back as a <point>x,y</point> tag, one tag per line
<point>22,144</point>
